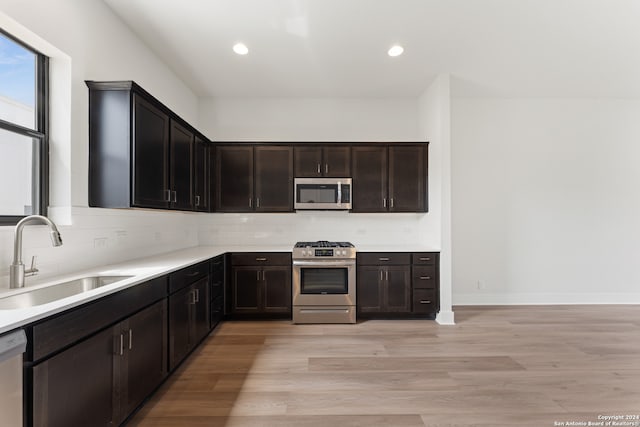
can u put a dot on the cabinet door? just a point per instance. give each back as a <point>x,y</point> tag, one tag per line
<point>274,179</point>
<point>179,325</point>
<point>276,289</point>
<point>145,365</point>
<point>369,168</point>
<point>201,175</point>
<point>246,290</point>
<point>337,162</point>
<point>407,179</point>
<point>369,292</point>
<point>200,315</point>
<point>234,179</point>
<point>75,387</point>
<point>150,155</point>
<point>181,162</point>
<point>397,289</point>
<point>308,162</point>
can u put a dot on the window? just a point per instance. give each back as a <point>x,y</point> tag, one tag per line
<point>23,131</point>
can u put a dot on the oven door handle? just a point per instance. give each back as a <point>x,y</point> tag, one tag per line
<point>342,263</point>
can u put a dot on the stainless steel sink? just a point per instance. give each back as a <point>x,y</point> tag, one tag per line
<point>56,292</point>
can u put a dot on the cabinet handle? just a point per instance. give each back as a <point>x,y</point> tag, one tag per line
<point>121,344</point>
<point>386,273</point>
<point>258,275</point>
<point>192,298</point>
<point>425,277</point>
<point>425,301</point>
<point>261,259</point>
<point>250,202</point>
<point>257,202</point>
<point>425,259</point>
<point>197,296</point>
<point>167,195</point>
<point>195,273</point>
<point>319,168</point>
<point>381,273</point>
<point>197,200</point>
<point>383,259</point>
<point>391,200</point>
<point>326,168</point>
<point>384,202</point>
<point>175,196</point>
<point>130,339</point>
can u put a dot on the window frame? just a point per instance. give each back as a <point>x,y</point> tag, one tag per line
<point>40,189</point>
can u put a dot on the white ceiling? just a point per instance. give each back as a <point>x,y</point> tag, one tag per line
<point>337,48</point>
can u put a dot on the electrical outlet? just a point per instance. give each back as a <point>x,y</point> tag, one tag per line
<point>100,242</point>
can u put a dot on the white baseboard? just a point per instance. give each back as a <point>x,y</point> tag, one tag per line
<point>445,318</point>
<point>545,298</point>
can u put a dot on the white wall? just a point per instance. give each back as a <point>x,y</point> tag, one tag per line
<point>86,41</point>
<point>304,119</point>
<point>546,201</point>
<point>435,123</point>
<point>309,119</point>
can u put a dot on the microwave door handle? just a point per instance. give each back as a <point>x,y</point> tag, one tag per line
<point>339,193</point>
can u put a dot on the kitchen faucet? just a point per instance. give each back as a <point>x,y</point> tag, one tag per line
<point>17,272</point>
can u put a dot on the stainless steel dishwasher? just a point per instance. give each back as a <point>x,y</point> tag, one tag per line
<point>12,345</point>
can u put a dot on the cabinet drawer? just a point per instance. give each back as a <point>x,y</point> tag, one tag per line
<point>383,258</point>
<point>186,276</point>
<point>261,258</point>
<point>425,301</point>
<point>425,258</point>
<point>424,277</point>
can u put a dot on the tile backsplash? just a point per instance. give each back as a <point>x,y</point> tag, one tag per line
<point>106,236</point>
<point>98,237</point>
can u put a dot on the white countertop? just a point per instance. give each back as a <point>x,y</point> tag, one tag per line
<point>142,270</point>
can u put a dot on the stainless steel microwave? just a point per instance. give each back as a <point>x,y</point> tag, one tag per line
<point>322,193</point>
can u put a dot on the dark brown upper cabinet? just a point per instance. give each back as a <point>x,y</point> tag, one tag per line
<point>141,154</point>
<point>389,178</point>
<point>322,161</point>
<point>234,179</point>
<point>274,179</point>
<point>201,174</point>
<point>150,157</point>
<point>370,182</point>
<point>181,162</point>
<point>254,179</point>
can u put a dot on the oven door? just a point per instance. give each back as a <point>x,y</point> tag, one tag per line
<point>324,282</point>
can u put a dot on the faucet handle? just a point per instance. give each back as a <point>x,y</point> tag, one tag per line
<point>32,271</point>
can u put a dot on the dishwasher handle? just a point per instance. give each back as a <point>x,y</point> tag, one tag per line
<point>12,344</point>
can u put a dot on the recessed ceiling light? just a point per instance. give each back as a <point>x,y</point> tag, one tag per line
<point>240,49</point>
<point>396,50</point>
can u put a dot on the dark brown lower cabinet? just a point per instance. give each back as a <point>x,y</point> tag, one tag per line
<point>188,319</point>
<point>261,290</point>
<point>143,362</point>
<point>101,380</point>
<point>398,284</point>
<point>384,289</point>
<point>75,387</point>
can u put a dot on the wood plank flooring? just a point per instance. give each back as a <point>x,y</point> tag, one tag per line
<point>498,366</point>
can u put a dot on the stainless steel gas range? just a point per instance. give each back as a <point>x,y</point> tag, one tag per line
<point>324,282</point>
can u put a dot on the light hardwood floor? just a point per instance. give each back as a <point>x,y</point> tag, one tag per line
<point>498,366</point>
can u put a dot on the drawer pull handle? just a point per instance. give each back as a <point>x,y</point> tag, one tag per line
<point>425,259</point>
<point>425,301</point>
<point>425,277</point>
<point>261,259</point>
<point>195,273</point>
<point>130,339</point>
<point>383,259</point>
